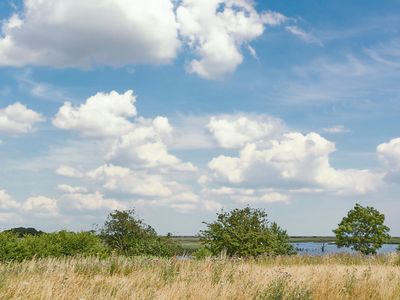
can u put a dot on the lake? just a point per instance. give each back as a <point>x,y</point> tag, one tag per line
<point>316,248</point>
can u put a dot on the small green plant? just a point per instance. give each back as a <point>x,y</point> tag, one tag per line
<point>201,253</point>
<point>282,288</point>
<point>169,271</point>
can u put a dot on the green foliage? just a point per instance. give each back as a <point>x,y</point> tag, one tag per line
<point>362,230</point>
<point>245,233</point>
<point>201,253</point>
<point>127,235</point>
<point>22,231</point>
<point>283,287</point>
<point>58,244</point>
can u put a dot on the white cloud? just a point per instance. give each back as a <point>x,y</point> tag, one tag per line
<point>74,33</point>
<point>297,159</point>
<point>102,115</point>
<point>216,30</point>
<point>65,188</point>
<point>85,34</point>
<point>134,142</point>
<point>228,167</point>
<point>41,205</point>
<point>37,205</point>
<point>93,201</point>
<point>18,119</point>
<point>68,171</point>
<point>125,180</point>
<point>7,202</point>
<point>336,129</point>
<point>145,145</point>
<point>236,131</point>
<point>274,198</point>
<point>305,36</point>
<point>245,195</point>
<point>389,153</point>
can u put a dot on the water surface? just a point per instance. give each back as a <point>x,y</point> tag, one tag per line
<point>329,248</point>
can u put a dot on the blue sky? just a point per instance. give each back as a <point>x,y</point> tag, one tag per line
<point>181,108</point>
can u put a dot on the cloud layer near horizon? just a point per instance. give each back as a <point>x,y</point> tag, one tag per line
<point>135,166</point>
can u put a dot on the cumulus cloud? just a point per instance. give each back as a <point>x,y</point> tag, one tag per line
<point>145,145</point>
<point>85,34</point>
<point>295,159</point>
<point>246,195</point>
<point>135,142</point>
<point>68,171</point>
<point>18,119</point>
<point>36,205</point>
<point>93,201</point>
<point>389,153</point>
<point>236,131</point>
<point>125,180</point>
<point>74,33</point>
<point>7,202</point>
<point>102,115</point>
<point>148,189</point>
<point>216,30</point>
<point>41,205</point>
<point>65,188</point>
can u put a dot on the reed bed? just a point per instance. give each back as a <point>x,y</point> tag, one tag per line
<point>290,277</point>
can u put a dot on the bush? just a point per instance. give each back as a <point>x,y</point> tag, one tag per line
<point>58,244</point>
<point>127,235</point>
<point>22,231</point>
<point>245,233</point>
<point>201,253</point>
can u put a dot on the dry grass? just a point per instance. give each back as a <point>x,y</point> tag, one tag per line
<point>329,277</point>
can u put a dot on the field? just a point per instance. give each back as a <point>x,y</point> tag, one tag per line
<point>191,243</point>
<point>293,277</point>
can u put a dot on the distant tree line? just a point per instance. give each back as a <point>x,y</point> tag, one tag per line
<point>242,232</point>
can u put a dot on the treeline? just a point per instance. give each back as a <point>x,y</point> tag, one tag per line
<point>239,233</point>
<point>121,234</point>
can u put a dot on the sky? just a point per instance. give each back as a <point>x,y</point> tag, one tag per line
<point>181,108</point>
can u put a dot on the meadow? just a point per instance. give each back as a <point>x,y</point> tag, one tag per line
<point>283,277</point>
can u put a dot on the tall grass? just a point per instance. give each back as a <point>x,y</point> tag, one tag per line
<point>293,277</point>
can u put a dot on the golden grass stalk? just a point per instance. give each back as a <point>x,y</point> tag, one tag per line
<point>293,277</point>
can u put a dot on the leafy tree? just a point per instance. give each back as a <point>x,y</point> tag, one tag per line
<point>245,233</point>
<point>127,235</point>
<point>21,231</point>
<point>362,230</point>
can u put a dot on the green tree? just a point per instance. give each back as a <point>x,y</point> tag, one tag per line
<point>127,235</point>
<point>245,233</point>
<point>21,231</point>
<point>362,230</point>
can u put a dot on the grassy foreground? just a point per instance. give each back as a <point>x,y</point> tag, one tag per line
<point>295,277</point>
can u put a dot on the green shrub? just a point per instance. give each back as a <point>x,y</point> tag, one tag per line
<point>58,244</point>
<point>245,233</point>
<point>125,234</point>
<point>201,253</point>
<point>283,288</point>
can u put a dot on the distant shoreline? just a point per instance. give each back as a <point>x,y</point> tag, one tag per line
<point>192,243</point>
